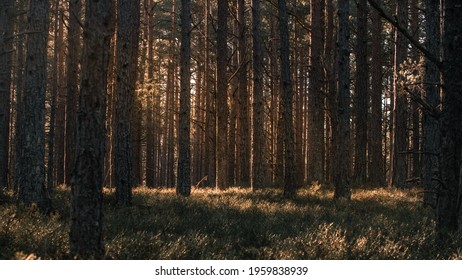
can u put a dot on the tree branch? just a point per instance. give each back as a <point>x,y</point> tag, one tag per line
<point>432,57</point>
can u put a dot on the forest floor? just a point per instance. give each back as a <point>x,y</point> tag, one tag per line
<point>377,223</point>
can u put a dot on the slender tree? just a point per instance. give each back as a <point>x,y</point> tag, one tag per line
<point>128,26</point>
<point>222,96</point>
<point>86,238</point>
<point>258,114</point>
<point>184,162</point>
<point>286,103</point>
<point>342,139</point>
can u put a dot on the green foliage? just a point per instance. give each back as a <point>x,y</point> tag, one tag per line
<point>239,224</point>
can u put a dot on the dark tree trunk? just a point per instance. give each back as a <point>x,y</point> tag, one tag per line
<point>376,170</point>
<point>362,86</point>
<point>286,103</point>
<point>150,166</point>
<point>449,211</point>
<point>258,113</point>
<point>6,47</point>
<point>31,180</point>
<point>243,97</point>
<point>86,233</point>
<point>431,127</point>
<point>342,135</point>
<point>72,63</point>
<point>128,25</point>
<point>398,174</point>
<point>184,163</point>
<point>222,96</point>
<point>316,95</point>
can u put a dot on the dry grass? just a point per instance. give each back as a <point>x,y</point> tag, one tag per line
<point>239,224</point>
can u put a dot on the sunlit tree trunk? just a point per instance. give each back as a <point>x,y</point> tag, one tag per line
<point>86,232</point>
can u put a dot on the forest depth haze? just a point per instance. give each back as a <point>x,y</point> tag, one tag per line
<point>230,129</point>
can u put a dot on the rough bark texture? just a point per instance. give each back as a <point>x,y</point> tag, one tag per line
<point>376,167</point>
<point>150,167</point>
<point>72,63</point>
<point>184,165</point>
<point>316,96</point>
<point>6,45</point>
<point>243,96</point>
<point>286,103</point>
<point>449,211</point>
<point>222,96</point>
<point>258,113</point>
<point>431,128</point>
<point>60,123</point>
<point>86,233</point>
<point>362,85</point>
<point>398,174</point>
<point>342,136</point>
<point>31,180</point>
<point>128,25</point>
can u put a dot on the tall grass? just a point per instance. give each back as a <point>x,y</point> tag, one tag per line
<point>239,224</point>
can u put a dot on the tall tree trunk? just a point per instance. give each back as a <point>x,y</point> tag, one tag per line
<point>31,180</point>
<point>150,167</point>
<point>431,127</point>
<point>128,28</point>
<point>184,163</point>
<point>243,97</point>
<point>362,86</point>
<point>222,96</point>
<point>399,144</point>
<point>316,95</point>
<point>6,46</point>
<point>86,233</point>
<point>376,167</point>
<point>342,135</point>
<point>72,64</point>
<point>286,103</point>
<point>449,214</point>
<point>258,113</point>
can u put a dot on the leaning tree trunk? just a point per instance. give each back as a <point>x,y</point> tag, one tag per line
<point>86,233</point>
<point>128,26</point>
<point>31,180</point>
<point>184,162</point>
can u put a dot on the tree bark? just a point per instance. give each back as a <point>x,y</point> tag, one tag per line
<point>184,163</point>
<point>342,139</point>
<point>286,103</point>
<point>258,113</point>
<point>222,96</point>
<point>31,180</point>
<point>86,233</point>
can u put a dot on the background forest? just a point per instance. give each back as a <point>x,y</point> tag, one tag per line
<point>230,129</point>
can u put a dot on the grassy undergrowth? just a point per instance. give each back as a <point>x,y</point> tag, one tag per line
<point>239,224</point>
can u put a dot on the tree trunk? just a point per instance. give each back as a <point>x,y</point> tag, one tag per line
<point>376,170</point>
<point>316,95</point>
<point>150,167</point>
<point>449,213</point>
<point>72,63</point>
<point>258,113</point>
<point>286,103</point>
<point>342,139</point>
<point>431,127</point>
<point>6,46</point>
<point>362,86</point>
<point>184,165</point>
<point>86,238</point>
<point>128,25</point>
<point>222,96</point>
<point>31,180</point>
<point>399,144</point>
